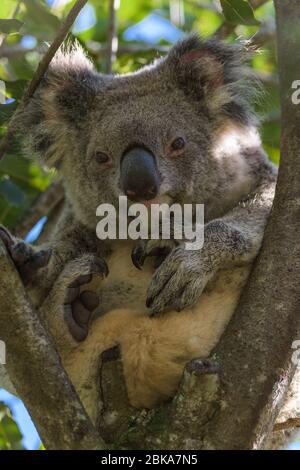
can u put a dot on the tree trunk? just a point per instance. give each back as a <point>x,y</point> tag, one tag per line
<point>235,409</point>
<point>36,372</point>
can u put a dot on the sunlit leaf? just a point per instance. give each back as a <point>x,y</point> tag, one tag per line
<point>10,436</point>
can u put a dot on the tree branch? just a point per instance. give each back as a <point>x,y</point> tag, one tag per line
<point>42,68</point>
<point>289,424</point>
<point>112,46</point>
<point>36,372</point>
<point>44,205</point>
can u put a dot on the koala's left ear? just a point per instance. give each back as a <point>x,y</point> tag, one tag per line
<point>60,106</point>
<point>203,68</point>
<point>70,85</point>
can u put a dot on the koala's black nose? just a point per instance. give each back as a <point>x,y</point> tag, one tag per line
<point>140,179</point>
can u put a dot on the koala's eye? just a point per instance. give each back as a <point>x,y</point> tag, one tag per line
<point>178,144</point>
<point>101,157</point>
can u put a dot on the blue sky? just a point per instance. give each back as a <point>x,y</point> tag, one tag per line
<point>31,440</point>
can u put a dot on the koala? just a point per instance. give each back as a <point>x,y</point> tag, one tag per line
<point>181,130</point>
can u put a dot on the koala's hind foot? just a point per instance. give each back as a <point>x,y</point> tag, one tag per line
<point>78,306</point>
<point>28,260</point>
<point>68,308</point>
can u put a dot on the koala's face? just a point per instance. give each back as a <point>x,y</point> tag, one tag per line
<point>150,145</point>
<point>150,135</point>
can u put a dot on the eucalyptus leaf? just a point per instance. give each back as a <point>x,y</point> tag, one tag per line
<point>238,12</point>
<point>11,192</point>
<point>10,26</point>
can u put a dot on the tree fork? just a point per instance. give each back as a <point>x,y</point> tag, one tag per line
<point>36,371</point>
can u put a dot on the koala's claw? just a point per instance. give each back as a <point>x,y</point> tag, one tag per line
<point>138,256</point>
<point>202,367</point>
<point>79,306</point>
<point>179,281</point>
<point>147,248</point>
<point>26,259</point>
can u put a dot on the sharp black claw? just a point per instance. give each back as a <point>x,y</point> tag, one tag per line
<point>202,367</point>
<point>149,302</point>
<point>103,267</point>
<point>138,256</point>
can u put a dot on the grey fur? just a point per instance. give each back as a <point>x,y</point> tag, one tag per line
<point>199,91</point>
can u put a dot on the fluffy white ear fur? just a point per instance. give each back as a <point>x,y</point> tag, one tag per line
<point>65,96</point>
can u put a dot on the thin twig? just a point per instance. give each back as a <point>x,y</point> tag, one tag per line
<point>42,68</point>
<point>17,9</point>
<point>112,35</point>
<point>44,205</point>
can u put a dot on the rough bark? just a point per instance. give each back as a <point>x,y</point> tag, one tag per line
<point>237,410</point>
<point>36,372</point>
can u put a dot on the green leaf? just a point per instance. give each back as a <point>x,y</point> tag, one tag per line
<point>16,88</point>
<point>238,12</point>
<point>10,26</point>
<point>10,436</point>
<point>6,112</point>
<point>24,170</point>
<point>11,192</point>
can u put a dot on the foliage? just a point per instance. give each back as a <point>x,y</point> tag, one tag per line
<point>10,436</point>
<point>26,26</point>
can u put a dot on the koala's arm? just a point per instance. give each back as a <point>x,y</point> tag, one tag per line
<point>237,236</point>
<point>231,240</point>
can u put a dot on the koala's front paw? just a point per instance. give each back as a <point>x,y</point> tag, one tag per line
<point>26,259</point>
<point>78,306</point>
<point>146,248</point>
<point>179,281</point>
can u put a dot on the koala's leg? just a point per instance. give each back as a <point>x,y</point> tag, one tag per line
<point>232,240</point>
<point>67,310</point>
<point>40,265</point>
<point>82,363</point>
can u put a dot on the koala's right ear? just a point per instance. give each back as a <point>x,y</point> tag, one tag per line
<point>60,105</point>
